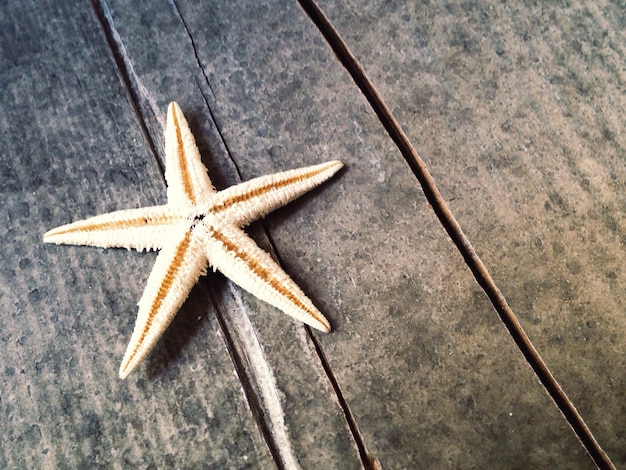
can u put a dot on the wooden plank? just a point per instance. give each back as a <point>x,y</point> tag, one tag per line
<point>72,147</point>
<point>279,362</point>
<point>518,110</point>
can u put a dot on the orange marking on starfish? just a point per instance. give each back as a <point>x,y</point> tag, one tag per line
<point>121,224</point>
<point>182,158</point>
<point>163,290</point>
<point>263,189</point>
<point>118,224</point>
<point>263,273</point>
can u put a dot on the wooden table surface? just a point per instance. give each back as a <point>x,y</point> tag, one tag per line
<point>517,109</point>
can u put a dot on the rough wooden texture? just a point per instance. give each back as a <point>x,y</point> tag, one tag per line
<point>517,110</point>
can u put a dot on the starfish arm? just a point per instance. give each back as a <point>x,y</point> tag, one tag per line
<point>239,258</point>
<point>179,265</point>
<point>188,183</point>
<point>141,229</point>
<point>253,199</point>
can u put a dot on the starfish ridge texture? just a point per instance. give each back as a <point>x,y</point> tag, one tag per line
<point>197,228</point>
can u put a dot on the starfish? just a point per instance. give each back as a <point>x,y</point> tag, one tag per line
<point>197,228</point>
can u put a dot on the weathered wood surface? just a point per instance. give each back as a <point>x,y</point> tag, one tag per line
<point>517,111</point>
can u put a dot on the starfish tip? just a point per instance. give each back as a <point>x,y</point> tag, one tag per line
<point>174,107</point>
<point>321,324</point>
<point>49,237</point>
<point>125,369</point>
<point>49,234</point>
<point>336,165</point>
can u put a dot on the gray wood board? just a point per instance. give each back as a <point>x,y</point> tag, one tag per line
<point>422,360</point>
<point>518,110</point>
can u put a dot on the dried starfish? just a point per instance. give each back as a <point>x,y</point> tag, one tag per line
<point>199,227</point>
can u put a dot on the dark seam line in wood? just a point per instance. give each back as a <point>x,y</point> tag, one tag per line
<point>219,131</point>
<point>208,84</point>
<point>369,462</point>
<point>253,400</point>
<point>452,227</point>
<point>101,9</point>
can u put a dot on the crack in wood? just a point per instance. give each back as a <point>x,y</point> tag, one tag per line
<point>137,93</point>
<point>368,461</point>
<point>255,376</point>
